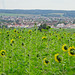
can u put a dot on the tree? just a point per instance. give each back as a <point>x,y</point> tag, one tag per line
<point>74,22</point>
<point>44,26</point>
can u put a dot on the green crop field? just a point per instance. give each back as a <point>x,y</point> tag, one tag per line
<point>31,52</point>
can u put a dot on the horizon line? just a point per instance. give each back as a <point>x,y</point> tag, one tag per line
<point>38,9</point>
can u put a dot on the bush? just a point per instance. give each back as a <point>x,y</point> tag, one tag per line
<point>44,26</point>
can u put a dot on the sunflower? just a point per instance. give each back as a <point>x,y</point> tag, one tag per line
<point>19,36</point>
<point>29,31</point>
<point>57,58</point>
<point>15,30</point>
<point>44,38</point>
<point>8,35</point>
<point>7,32</point>
<point>11,44</point>
<point>64,47</point>
<point>71,51</point>
<point>59,38</point>
<point>45,61</point>
<point>70,38</point>
<point>2,52</point>
<point>22,44</point>
<point>12,41</point>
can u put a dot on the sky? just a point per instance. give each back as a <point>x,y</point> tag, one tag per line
<point>38,4</point>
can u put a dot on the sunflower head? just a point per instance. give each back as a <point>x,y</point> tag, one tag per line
<point>44,38</point>
<point>2,53</point>
<point>57,58</point>
<point>15,30</point>
<point>29,31</point>
<point>59,38</point>
<point>64,47</point>
<point>7,32</point>
<point>19,36</point>
<point>11,44</point>
<point>45,61</point>
<point>70,38</point>
<point>8,35</point>
<point>71,51</point>
<point>22,44</point>
<point>12,41</point>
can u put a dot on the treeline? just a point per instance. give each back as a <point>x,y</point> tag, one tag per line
<point>41,12</point>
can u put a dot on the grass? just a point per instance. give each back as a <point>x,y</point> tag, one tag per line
<point>31,52</point>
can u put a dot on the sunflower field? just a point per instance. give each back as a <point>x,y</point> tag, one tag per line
<point>33,52</point>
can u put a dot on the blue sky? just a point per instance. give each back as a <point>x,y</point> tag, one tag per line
<point>38,4</point>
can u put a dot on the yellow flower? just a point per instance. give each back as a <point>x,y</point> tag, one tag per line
<point>44,38</point>
<point>64,47</point>
<point>15,30</point>
<point>2,52</point>
<point>7,32</point>
<point>45,61</point>
<point>12,41</point>
<point>29,31</point>
<point>19,36</point>
<point>57,58</point>
<point>71,51</point>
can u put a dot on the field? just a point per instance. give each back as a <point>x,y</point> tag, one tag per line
<point>57,14</point>
<point>15,15</point>
<point>31,52</point>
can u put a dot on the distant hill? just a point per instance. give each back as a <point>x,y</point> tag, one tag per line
<point>52,13</point>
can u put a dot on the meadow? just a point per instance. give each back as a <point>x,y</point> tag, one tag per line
<point>31,52</point>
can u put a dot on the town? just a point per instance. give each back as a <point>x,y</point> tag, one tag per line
<point>28,21</point>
